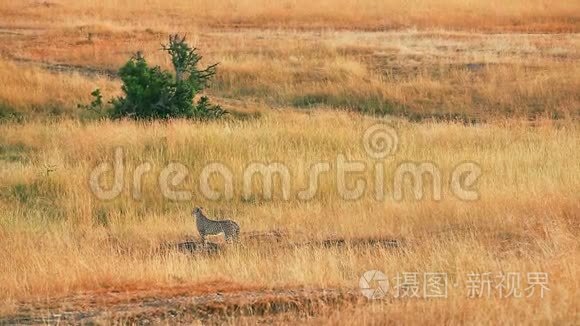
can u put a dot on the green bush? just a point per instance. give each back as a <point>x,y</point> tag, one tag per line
<point>152,93</point>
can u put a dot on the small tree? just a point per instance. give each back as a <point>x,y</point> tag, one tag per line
<point>151,93</point>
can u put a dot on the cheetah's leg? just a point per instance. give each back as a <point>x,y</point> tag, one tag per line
<point>232,236</point>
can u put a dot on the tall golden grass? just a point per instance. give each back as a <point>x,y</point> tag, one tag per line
<point>57,238</point>
<point>34,91</point>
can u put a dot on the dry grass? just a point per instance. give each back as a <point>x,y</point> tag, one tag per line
<point>284,59</point>
<point>57,238</point>
<point>495,15</point>
<point>414,74</point>
<point>436,63</point>
<point>36,91</point>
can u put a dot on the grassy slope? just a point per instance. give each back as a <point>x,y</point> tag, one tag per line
<point>53,56</point>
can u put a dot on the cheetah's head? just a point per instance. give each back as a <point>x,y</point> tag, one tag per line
<point>197,211</point>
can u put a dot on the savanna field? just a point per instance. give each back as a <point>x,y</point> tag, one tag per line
<point>491,84</point>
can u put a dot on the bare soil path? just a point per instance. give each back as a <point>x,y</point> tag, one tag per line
<point>145,307</point>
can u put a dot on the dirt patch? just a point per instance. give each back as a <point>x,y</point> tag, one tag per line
<point>279,239</point>
<point>209,307</point>
<point>87,71</point>
<point>82,70</point>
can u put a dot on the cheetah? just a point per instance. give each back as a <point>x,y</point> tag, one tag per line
<point>205,226</point>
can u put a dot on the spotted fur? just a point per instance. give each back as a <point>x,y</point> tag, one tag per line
<point>205,226</point>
